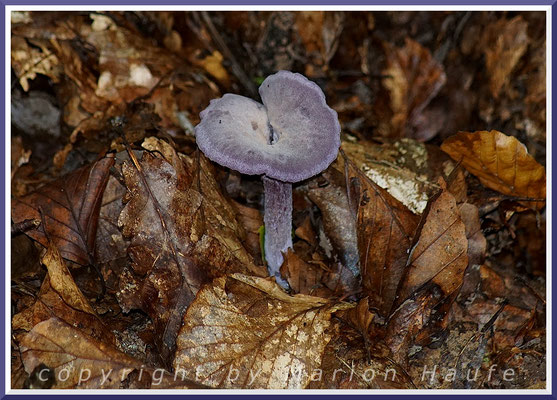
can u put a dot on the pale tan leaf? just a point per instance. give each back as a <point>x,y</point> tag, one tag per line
<point>74,355</point>
<point>501,163</point>
<point>246,332</point>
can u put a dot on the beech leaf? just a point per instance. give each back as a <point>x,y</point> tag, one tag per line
<point>246,332</point>
<point>440,251</point>
<point>71,209</point>
<point>182,232</point>
<point>501,163</point>
<point>385,229</point>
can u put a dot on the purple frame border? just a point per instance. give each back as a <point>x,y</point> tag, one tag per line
<point>3,117</point>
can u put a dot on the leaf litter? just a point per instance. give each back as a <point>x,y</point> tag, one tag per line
<point>423,244</point>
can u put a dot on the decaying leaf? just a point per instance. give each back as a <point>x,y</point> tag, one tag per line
<point>349,363</point>
<point>338,223</point>
<point>504,43</point>
<point>78,361</point>
<point>439,255</point>
<point>413,79</point>
<point>433,276</point>
<point>70,207</point>
<point>245,332</point>
<point>476,240</point>
<point>501,163</point>
<point>385,229</point>
<point>74,356</point>
<point>181,232</point>
<point>319,32</point>
<point>60,297</point>
<point>406,168</point>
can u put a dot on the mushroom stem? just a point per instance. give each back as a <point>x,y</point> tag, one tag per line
<point>278,225</point>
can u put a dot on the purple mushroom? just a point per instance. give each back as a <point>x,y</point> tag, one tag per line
<point>292,136</point>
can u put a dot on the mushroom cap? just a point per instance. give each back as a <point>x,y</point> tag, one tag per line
<point>237,132</point>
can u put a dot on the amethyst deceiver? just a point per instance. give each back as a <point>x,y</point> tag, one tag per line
<point>292,136</point>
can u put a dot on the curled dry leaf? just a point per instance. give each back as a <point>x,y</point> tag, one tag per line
<point>30,59</point>
<point>432,278</point>
<point>338,223</point>
<point>245,332</point>
<point>501,163</point>
<point>385,228</point>
<point>413,79</point>
<point>439,255</point>
<point>476,240</point>
<point>181,231</point>
<point>78,360</point>
<point>59,296</point>
<point>71,209</point>
<point>504,43</point>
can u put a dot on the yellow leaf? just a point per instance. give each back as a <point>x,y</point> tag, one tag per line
<point>501,163</point>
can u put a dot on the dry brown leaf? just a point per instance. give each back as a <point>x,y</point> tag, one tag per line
<point>501,163</point>
<point>252,220</point>
<point>407,169</point>
<point>19,155</point>
<point>319,32</point>
<point>245,332</point>
<point>339,224</point>
<point>439,255</point>
<point>181,230</point>
<point>79,361</point>
<point>504,43</point>
<point>70,206</point>
<point>413,79</point>
<point>303,277</point>
<point>73,354</point>
<point>476,240</point>
<point>385,228</point>
<point>60,297</point>
<point>349,363</point>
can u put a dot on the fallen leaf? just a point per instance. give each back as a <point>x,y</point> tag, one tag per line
<point>70,207</point>
<point>477,243</point>
<point>245,332</point>
<point>413,79</point>
<point>406,168</point>
<point>338,223</point>
<point>73,354</point>
<point>213,65</point>
<point>439,255</point>
<point>385,229</point>
<point>60,297</point>
<point>303,278</point>
<point>504,43</point>
<point>319,32</point>
<point>501,163</point>
<point>349,364</point>
<point>181,231</point>
<point>433,276</point>
<point>79,361</point>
